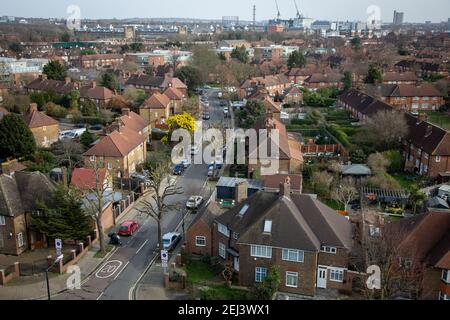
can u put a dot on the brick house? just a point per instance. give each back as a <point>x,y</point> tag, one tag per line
<point>101,96</point>
<point>308,241</point>
<point>42,84</point>
<point>45,129</point>
<point>156,108</point>
<point>176,98</point>
<point>95,61</point>
<point>132,121</point>
<point>293,95</point>
<point>409,97</point>
<point>272,84</point>
<point>19,192</point>
<point>152,84</point>
<point>400,78</point>
<point>324,80</point>
<point>121,151</point>
<point>426,237</point>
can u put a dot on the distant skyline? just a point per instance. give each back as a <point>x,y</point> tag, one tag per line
<point>415,10</point>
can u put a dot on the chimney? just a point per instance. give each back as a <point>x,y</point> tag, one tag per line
<point>43,76</point>
<point>241,191</point>
<point>126,112</point>
<point>423,117</point>
<point>285,188</point>
<point>67,80</point>
<point>93,84</point>
<point>33,107</point>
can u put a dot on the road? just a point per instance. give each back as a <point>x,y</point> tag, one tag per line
<point>114,279</point>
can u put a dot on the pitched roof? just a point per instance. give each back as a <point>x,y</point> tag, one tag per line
<point>118,143</point>
<point>96,93</point>
<point>356,169</point>
<point>399,76</point>
<point>20,192</point>
<point>156,101</point>
<point>298,222</point>
<point>42,84</point>
<point>292,91</point>
<point>85,178</point>
<point>134,121</point>
<point>273,181</point>
<point>173,93</point>
<point>145,80</point>
<point>267,81</point>
<point>37,119</point>
<point>106,56</point>
<point>271,106</point>
<point>324,77</point>
<point>404,90</point>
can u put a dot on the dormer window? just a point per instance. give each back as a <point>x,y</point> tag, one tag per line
<point>268,226</point>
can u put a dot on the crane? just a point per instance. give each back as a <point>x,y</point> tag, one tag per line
<point>278,11</point>
<point>298,12</point>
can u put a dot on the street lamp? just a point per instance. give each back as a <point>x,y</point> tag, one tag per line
<point>57,260</point>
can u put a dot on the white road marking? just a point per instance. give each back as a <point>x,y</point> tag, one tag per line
<point>117,275</point>
<point>137,252</point>
<point>109,268</point>
<point>101,294</point>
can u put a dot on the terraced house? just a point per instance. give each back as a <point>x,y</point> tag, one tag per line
<point>308,241</point>
<point>272,84</point>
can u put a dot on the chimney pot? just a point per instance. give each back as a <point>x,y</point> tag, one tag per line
<point>33,107</point>
<point>126,112</point>
<point>285,188</point>
<point>241,192</point>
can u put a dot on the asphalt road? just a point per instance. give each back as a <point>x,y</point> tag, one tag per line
<point>114,279</point>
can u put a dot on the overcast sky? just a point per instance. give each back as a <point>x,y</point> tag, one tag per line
<point>415,10</point>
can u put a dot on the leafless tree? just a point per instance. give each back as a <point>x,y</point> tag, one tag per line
<point>321,182</point>
<point>68,153</point>
<point>378,163</point>
<point>386,129</point>
<point>155,203</point>
<point>345,192</point>
<point>97,197</point>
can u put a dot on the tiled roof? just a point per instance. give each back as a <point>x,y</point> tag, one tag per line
<point>145,80</point>
<point>324,77</point>
<point>107,56</point>
<point>96,93</point>
<point>174,94</point>
<point>60,87</point>
<point>85,178</point>
<point>399,76</point>
<point>37,119</point>
<point>156,101</point>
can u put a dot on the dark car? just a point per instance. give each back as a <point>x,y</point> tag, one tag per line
<point>80,125</point>
<point>206,116</point>
<point>179,169</point>
<point>97,127</point>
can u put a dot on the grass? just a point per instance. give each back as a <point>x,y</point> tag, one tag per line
<point>440,119</point>
<point>108,249</point>
<point>333,204</point>
<point>199,272</point>
<point>406,180</point>
<point>222,292</point>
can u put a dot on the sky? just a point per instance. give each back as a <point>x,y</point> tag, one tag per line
<point>415,10</point>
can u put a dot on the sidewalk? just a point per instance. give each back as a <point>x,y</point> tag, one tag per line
<point>34,287</point>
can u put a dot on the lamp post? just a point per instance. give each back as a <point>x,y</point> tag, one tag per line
<point>58,259</point>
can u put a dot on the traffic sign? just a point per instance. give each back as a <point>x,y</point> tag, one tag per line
<point>164,256</point>
<point>58,246</point>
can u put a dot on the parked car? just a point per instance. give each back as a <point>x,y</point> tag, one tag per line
<point>185,163</point>
<point>128,228</point>
<point>170,240</point>
<point>206,116</point>
<point>194,202</point>
<point>80,125</point>
<point>96,127</point>
<point>211,171</point>
<point>178,169</point>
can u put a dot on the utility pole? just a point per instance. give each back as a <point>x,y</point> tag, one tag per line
<point>254,17</point>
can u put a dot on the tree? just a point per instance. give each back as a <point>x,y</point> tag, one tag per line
<point>253,112</point>
<point>55,110</point>
<point>386,129</point>
<point>321,182</point>
<point>17,103</point>
<point>135,96</point>
<point>73,97</point>
<point>109,80</point>
<point>67,220</point>
<point>356,43</point>
<point>296,60</point>
<point>89,109</point>
<point>416,198</point>
<point>347,80</point>
<point>68,153</point>
<point>190,76</point>
<point>16,139</point>
<point>87,138</point>
<point>240,54</point>
<point>242,71</point>
<point>155,203</point>
<point>345,192</point>
<point>65,37</point>
<point>374,74</point>
<point>378,163</point>
<point>54,70</point>
<point>266,289</point>
<point>88,52</point>
<point>205,60</point>
<point>16,48</point>
<point>395,159</point>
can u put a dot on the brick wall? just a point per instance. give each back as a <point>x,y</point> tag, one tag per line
<point>45,136</point>
<point>199,228</point>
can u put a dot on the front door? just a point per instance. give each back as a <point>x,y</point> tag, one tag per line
<point>322,277</point>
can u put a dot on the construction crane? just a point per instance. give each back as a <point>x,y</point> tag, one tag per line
<point>278,11</point>
<point>298,12</point>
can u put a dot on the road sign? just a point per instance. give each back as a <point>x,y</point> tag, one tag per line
<point>58,246</point>
<point>164,256</point>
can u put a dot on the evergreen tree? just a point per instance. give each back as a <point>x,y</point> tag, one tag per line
<point>16,139</point>
<point>296,60</point>
<point>374,75</point>
<point>67,220</point>
<point>347,80</point>
<point>55,70</point>
<point>109,80</point>
<point>240,53</point>
<point>89,109</point>
<point>87,138</point>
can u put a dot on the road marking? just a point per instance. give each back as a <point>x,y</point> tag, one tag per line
<point>131,292</point>
<point>137,252</point>
<point>101,294</point>
<point>121,270</point>
<point>108,269</point>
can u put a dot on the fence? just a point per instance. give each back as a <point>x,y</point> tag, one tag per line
<point>122,205</point>
<point>32,268</point>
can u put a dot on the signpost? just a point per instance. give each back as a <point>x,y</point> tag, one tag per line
<point>164,259</point>
<point>58,247</point>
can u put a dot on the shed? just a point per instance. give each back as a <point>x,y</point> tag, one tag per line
<point>437,203</point>
<point>226,187</point>
<point>359,170</point>
<point>444,190</point>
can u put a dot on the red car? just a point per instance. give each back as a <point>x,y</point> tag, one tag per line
<point>128,228</point>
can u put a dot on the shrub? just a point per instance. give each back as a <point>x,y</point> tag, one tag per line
<point>54,110</point>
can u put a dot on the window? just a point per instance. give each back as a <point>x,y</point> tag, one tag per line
<point>2,221</point>
<point>268,226</point>
<point>92,158</point>
<point>438,158</point>
<point>327,249</point>
<point>200,241</point>
<point>244,209</point>
<point>260,274</point>
<point>110,166</point>
<point>446,275</point>
<point>20,240</point>
<point>222,251</point>
<point>336,275</point>
<point>292,279</point>
<point>223,230</point>
<point>293,255</point>
<point>261,251</point>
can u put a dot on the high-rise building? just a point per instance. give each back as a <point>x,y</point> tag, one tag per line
<point>398,18</point>
<point>448,24</point>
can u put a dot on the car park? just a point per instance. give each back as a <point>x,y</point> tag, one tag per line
<point>194,202</point>
<point>128,228</point>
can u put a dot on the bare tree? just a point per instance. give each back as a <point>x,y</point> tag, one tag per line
<point>68,153</point>
<point>345,192</point>
<point>97,197</point>
<point>321,182</point>
<point>161,187</point>
<point>378,163</point>
<point>386,129</point>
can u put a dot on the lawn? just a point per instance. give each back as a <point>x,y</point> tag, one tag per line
<point>407,180</point>
<point>222,292</point>
<point>441,119</point>
<point>199,272</point>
